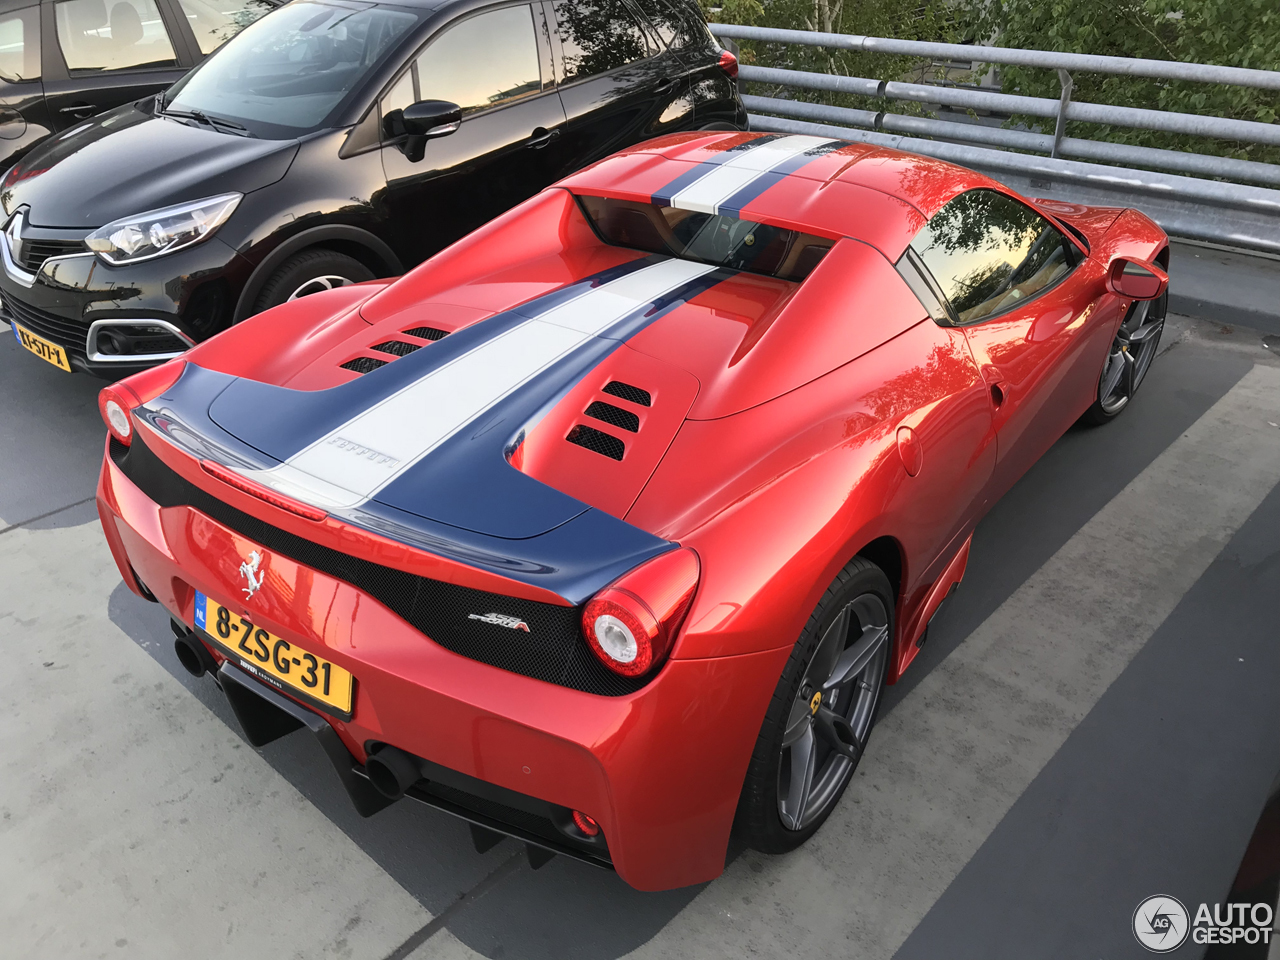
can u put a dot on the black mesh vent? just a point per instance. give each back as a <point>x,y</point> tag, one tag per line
<point>552,649</point>
<point>626,391</point>
<point>427,333</point>
<point>597,441</point>
<point>397,348</point>
<point>364,364</point>
<point>614,415</point>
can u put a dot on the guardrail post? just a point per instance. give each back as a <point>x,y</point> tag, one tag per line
<point>1064,101</point>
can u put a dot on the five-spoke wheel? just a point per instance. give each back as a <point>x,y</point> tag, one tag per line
<point>1129,359</point>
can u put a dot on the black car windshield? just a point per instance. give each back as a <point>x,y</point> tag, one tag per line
<point>284,74</point>
<point>707,238</point>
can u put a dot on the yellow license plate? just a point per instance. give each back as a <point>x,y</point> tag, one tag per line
<point>279,662</point>
<point>42,348</point>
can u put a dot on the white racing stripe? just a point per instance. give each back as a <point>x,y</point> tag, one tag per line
<point>352,463</point>
<point>706,195</point>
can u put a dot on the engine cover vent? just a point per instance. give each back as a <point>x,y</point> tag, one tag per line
<point>597,441</point>
<point>427,333</point>
<point>627,392</point>
<point>616,416</point>
<point>363,364</point>
<point>397,348</point>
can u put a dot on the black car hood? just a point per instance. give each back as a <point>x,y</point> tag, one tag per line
<point>128,161</point>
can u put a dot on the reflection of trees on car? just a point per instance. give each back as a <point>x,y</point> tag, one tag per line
<point>598,37</point>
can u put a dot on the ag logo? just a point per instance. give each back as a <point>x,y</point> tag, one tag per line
<point>1161,924</point>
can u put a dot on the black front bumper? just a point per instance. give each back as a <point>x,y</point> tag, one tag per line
<point>147,309</point>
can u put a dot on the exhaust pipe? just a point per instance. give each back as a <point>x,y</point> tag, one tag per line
<point>392,771</point>
<point>192,654</point>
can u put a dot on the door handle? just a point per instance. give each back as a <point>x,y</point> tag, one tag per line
<point>78,108</point>
<point>541,137</point>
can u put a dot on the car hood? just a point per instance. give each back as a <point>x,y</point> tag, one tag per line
<point>127,162</point>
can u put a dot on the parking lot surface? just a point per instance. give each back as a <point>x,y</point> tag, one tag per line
<point>1093,721</point>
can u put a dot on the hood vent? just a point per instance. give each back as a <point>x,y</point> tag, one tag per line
<point>597,441</point>
<point>629,393</point>
<point>615,416</point>
<point>427,333</point>
<point>363,364</point>
<point>397,348</point>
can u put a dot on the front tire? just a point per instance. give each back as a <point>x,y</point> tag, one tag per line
<point>818,722</point>
<point>311,271</point>
<point>1129,359</point>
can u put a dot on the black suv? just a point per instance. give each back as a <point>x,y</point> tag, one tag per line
<point>64,60</point>
<point>331,142</point>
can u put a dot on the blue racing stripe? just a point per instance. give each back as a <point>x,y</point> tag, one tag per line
<point>732,207</point>
<point>663,197</point>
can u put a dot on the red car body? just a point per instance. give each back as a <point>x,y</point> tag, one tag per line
<point>790,426</point>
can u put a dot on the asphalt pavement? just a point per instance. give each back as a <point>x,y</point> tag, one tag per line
<point>1093,720</point>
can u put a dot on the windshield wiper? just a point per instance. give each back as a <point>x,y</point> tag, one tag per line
<point>208,121</point>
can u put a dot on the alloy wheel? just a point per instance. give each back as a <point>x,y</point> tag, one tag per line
<point>319,285</point>
<point>1131,354</point>
<point>832,712</point>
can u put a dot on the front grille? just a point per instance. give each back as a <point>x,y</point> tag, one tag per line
<point>616,416</point>
<point>36,252</point>
<point>69,334</point>
<point>552,650</point>
<point>597,441</point>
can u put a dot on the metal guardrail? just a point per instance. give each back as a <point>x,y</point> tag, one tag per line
<point>1213,210</point>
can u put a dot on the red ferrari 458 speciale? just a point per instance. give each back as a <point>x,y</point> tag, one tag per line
<point>605,527</point>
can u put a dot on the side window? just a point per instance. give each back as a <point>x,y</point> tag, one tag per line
<point>481,62</point>
<point>215,23</point>
<point>128,34</point>
<point>988,253</point>
<point>677,23</point>
<point>20,45</point>
<point>598,36</point>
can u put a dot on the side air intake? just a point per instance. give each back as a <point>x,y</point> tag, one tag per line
<point>597,441</point>
<point>427,333</point>
<point>397,348</point>
<point>629,393</point>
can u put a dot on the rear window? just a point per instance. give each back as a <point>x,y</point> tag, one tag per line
<point>706,238</point>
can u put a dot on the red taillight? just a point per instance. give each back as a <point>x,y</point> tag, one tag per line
<point>729,64</point>
<point>585,824</point>
<point>631,624</point>
<point>117,401</point>
<point>265,494</point>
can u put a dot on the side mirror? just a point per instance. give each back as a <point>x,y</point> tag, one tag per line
<point>1136,279</point>
<point>420,122</point>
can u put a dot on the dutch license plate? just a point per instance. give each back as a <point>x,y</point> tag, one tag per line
<point>276,660</point>
<point>42,348</point>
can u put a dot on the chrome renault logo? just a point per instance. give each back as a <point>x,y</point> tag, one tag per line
<point>249,570</point>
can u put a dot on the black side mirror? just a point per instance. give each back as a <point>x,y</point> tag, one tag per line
<point>420,122</point>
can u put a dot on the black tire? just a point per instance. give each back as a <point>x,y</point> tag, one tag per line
<point>310,271</point>
<point>863,592</point>
<point>1134,348</point>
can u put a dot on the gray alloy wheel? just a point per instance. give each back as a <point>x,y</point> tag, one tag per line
<point>319,285</point>
<point>311,271</point>
<point>1129,358</point>
<point>832,712</point>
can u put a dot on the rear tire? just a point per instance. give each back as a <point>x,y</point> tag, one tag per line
<point>311,271</point>
<point>821,714</point>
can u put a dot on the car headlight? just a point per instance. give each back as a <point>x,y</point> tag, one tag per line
<point>157,232</point>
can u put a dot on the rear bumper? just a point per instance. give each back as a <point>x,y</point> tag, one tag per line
<point>659,769</point>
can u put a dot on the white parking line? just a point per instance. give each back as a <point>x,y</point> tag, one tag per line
<point>133,823</point>
<point>946,765</point>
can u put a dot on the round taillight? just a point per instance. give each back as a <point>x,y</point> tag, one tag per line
<point>585,824</point>
<point>621,636</point>
<point>115,414</point>
<point>631,624</point>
